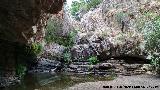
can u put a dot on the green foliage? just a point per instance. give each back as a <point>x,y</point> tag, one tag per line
<point>151,32</point>
<point>36,48</point>
<point>51,29</point>
<point>83,5</point>
<point>71,38</point>
<point>92,4</point>
<point>76,6</point>
<point>93,60</point>
<point>121,16</point>
<point>155,61</point>
<point>150,15</point>
<point>152,35</point>
<point>67,56</point>
<point>52,36</point>
<point>20,70</point>
<point>24,57</point>
<point>147,16</point>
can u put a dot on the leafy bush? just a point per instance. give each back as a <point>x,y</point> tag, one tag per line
<point>152,35</point>
<point>67,56</point>
<point>51,30</point>
<point>20,70</point>
<point>151,32</point>
<point>52,36</point>
<point>155,61</point>
<point>121,16</point>
<point>146,16</point>
<point>36,48</point>
<point>92,4</point>
<point>93,60</point>
<point>83,5</point>
<point>76,6</point>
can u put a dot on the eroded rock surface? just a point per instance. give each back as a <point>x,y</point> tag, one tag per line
<point>22,22</point>
<point>45,65</point>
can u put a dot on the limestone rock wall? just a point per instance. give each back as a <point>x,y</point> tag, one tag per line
<point>18,16</point>
<point>115,22</point>
<point>22,22</point>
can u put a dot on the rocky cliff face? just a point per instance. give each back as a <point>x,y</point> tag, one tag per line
<point>113,28</point>
<point>22,22</point>
<point>19,17</point>
<point>111,32</point>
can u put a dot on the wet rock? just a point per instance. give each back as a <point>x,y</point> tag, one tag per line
<point>40,79</point>
<point>8,81</point>
<point>20,21</point>
<point>79,67</point>
<point>73,66</point>
<point>87,68</point>
<point>106,68</point>
<point>46,65</point>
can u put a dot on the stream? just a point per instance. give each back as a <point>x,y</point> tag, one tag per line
<point>68,81</point>
<point>55,81</point>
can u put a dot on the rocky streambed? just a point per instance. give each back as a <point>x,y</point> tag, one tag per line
<point>45,81</point>
<point>144,82</point>
<point>118,67</point>
<point>46,72</point>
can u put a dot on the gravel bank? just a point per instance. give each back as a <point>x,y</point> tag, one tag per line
<point>137,80</point>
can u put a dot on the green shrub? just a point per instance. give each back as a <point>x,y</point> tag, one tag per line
<point>121,16</point>
<point>75,7</point>
<point>92,4</point>
<point>83,5</point>
<point>152,35</point>
<point>68,41</point>
<point>52,36</point>
<point>93,60</point>
<point>20,70</point>
<point>151,32</point>
<point>67,56</point>
<point>51,30</point>
<point>36,48</point>
<point>25,56</point>
<point>146,16</point>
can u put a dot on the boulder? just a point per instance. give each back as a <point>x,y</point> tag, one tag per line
<point>53,50</point>
<point>8,81</point>
<point>104,66</point>
<point>45,65</point>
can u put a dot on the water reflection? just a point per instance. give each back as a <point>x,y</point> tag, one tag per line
<point>46,81</point>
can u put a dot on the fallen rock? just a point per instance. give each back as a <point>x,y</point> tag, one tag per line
<point>46,65</point>
<point>132,66</point>
<point>147,67</point>
<point>53,50</point>
<point>8,81</point>
<point>104,66</point>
